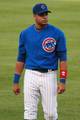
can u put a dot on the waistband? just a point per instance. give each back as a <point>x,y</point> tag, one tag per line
<point>44,70</point>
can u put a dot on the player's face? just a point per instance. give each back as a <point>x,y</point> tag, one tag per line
<point>41,19</point>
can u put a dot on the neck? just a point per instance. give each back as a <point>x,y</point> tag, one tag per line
<point>39,27</point>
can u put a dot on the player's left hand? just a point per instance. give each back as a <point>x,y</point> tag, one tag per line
<point>61,88</point>
<point>16,89</point>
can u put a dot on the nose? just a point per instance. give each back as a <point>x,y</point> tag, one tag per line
<point>45,15</point>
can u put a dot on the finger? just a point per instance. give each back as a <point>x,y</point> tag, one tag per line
<point>17,91</point>
<point>60,91</point>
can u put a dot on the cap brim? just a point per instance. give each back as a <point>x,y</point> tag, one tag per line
<point>49,11</point>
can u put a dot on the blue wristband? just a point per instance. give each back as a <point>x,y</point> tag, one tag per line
<point>62,80</point>
<point>16,78</point>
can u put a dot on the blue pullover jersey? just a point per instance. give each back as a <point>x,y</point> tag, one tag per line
<point>41,49</point>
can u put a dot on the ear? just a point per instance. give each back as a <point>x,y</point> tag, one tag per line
<point>34,16</point>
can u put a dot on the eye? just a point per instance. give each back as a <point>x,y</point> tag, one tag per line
<point>43,14</point>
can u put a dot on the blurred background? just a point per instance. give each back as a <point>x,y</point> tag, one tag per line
<point>16,15</point>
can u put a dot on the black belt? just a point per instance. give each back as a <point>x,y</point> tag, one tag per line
<point>43,70</point>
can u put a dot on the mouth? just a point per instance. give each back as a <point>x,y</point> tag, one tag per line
<point>44,21</point>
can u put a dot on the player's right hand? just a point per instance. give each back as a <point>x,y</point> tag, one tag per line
<point>61,88</point>
<point>16,89</point>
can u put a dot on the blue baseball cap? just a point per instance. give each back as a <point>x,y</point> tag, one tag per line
<point>40,8</point>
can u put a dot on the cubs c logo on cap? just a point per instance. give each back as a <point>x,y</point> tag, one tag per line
<point>43,6</point>
<point>49,44</point>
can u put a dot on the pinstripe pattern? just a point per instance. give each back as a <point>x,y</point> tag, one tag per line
<point>44,84</point>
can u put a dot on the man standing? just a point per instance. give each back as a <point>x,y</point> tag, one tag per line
<point>41,47</point>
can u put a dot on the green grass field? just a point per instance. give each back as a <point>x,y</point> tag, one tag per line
<point>16,15</point>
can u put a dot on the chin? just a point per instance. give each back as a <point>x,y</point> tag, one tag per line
<point>44,23</point>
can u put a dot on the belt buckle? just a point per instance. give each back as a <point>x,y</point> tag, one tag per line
<point>49,70</point>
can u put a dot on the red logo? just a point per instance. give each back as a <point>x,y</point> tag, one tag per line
<point>49,44</point>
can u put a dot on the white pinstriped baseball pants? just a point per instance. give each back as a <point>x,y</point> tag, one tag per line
<point>40,84</point>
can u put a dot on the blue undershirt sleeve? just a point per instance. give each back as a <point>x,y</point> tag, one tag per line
<point>61,48</point>
<point>62,56</point>
<point>21,49</point>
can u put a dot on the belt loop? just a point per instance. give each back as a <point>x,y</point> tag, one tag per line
<point>50,70</point>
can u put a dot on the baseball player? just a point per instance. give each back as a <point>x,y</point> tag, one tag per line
<point>42,47</point>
